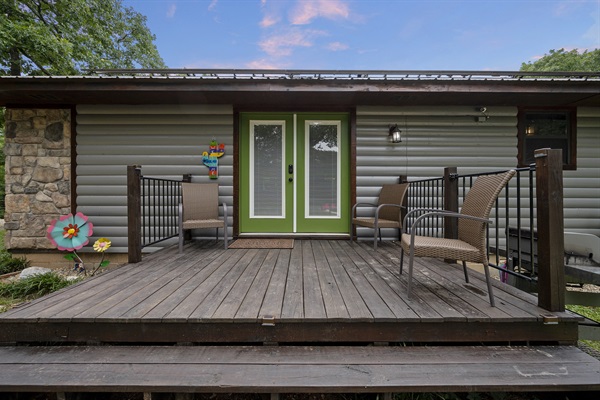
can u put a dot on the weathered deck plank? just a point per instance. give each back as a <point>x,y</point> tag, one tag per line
<point>251,303</point>
<point>314,305</point>
<point>357,309</point>
<point>293,300</point>
<point>321,290</point>
<point>284,369</point>
<point>332,297</point>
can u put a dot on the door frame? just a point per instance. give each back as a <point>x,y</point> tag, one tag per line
<point>351,112</point>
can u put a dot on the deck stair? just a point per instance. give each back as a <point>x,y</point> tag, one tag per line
<point>296,369</point>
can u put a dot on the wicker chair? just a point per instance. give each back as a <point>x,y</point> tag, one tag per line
<point>200,209</point>
<point>387,213</point>
<point>472,228</point>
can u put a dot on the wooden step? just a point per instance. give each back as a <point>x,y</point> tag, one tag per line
<point>291,369</point>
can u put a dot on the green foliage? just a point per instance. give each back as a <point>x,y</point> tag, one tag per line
<point>565,61</point>
<point>35,286</point>
<point>67,37</point>
<point>592,313</point>
<point>10,264</point>
<point>2,165</point>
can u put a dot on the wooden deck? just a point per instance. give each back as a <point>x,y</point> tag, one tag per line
<point>286,321</point>
<point>321,291</point>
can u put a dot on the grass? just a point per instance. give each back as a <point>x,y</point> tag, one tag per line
<point>592,313</point>
<point>21,290</point>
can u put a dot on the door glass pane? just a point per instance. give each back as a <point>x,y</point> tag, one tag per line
<point>267,143</point>
<point>323,180</point>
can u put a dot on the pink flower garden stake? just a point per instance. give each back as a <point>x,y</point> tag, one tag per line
<point>71,233</point>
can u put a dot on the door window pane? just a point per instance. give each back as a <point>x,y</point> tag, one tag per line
<point>323,169</point>
<point>267,144</point>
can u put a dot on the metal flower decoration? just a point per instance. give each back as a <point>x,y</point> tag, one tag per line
<point>70,232</point>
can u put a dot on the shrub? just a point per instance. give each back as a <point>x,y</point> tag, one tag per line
<point>10,264</point>
<point>35,286</point>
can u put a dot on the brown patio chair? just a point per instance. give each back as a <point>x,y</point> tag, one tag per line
<point>387,213</point>
<point>472,229</point>
<point>200,209</point>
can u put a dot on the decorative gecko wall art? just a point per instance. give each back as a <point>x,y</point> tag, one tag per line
<point>210,158</point>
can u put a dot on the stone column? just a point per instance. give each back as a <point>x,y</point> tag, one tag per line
<point>38,174</point>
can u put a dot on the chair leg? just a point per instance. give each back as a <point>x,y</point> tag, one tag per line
<point>410,268</point>
<point>401,258</point>
<point>181,233</point>
<point>465,271</point>
<point>375,238</point>
<point>486,268</point>
<point>225,235</point>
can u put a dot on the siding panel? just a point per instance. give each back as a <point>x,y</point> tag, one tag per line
<point>438,137</point>
<point>166,140</point>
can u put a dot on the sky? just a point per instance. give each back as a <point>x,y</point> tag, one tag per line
<point>477,35</point>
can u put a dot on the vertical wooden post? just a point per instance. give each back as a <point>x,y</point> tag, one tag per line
<point>550,227</point>
<point>450,204</point>
<point>134,214</point>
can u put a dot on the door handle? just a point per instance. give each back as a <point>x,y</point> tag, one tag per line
<point>290,169</point>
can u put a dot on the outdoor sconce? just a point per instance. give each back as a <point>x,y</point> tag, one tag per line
<point>394,135</point>
<point>483,117</point>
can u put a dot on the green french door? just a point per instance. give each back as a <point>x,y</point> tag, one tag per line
<point>294,173</point>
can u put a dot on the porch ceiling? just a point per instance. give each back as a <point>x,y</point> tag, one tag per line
<point>294,93</point>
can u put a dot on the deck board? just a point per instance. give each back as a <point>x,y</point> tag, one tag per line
<point>274,369</point>
<point>314,304</point>
<point>293,300</point>
<point>251,303</point>
<point>321,290</point>
<point>377,307</point>
<point>357,309</point>
<point>332,296</point>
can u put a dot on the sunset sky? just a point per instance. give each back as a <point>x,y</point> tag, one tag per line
<point>367,34</point>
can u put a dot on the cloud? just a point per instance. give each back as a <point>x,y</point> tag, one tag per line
<point>283,44</point>
<point>269,20</point>
<point>337,46</point>
<point>306,11</point>
<point>171,11</point>
<point>265,64</point>
<point>212,5</point>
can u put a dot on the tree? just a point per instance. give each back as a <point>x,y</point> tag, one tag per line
<point>563,60</point>
<point>68,37</point>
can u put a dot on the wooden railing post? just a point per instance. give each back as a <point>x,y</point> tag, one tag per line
<point>450,204</point>
<point>134,214</point>
<point>550,228</point>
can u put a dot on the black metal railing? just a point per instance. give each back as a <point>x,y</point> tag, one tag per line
<point>159,203</point>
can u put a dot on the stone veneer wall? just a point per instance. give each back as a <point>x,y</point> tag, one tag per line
<point>38,174</point>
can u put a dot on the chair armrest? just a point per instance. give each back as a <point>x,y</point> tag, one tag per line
<point>418,210</point>
<point>446,213</point>
<point>353,214</point>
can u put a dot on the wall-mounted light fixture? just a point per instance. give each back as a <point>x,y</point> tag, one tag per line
<point>394,134</point>
<point>483,117</point>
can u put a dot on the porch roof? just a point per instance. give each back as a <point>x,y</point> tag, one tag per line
<point>305,88</point>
